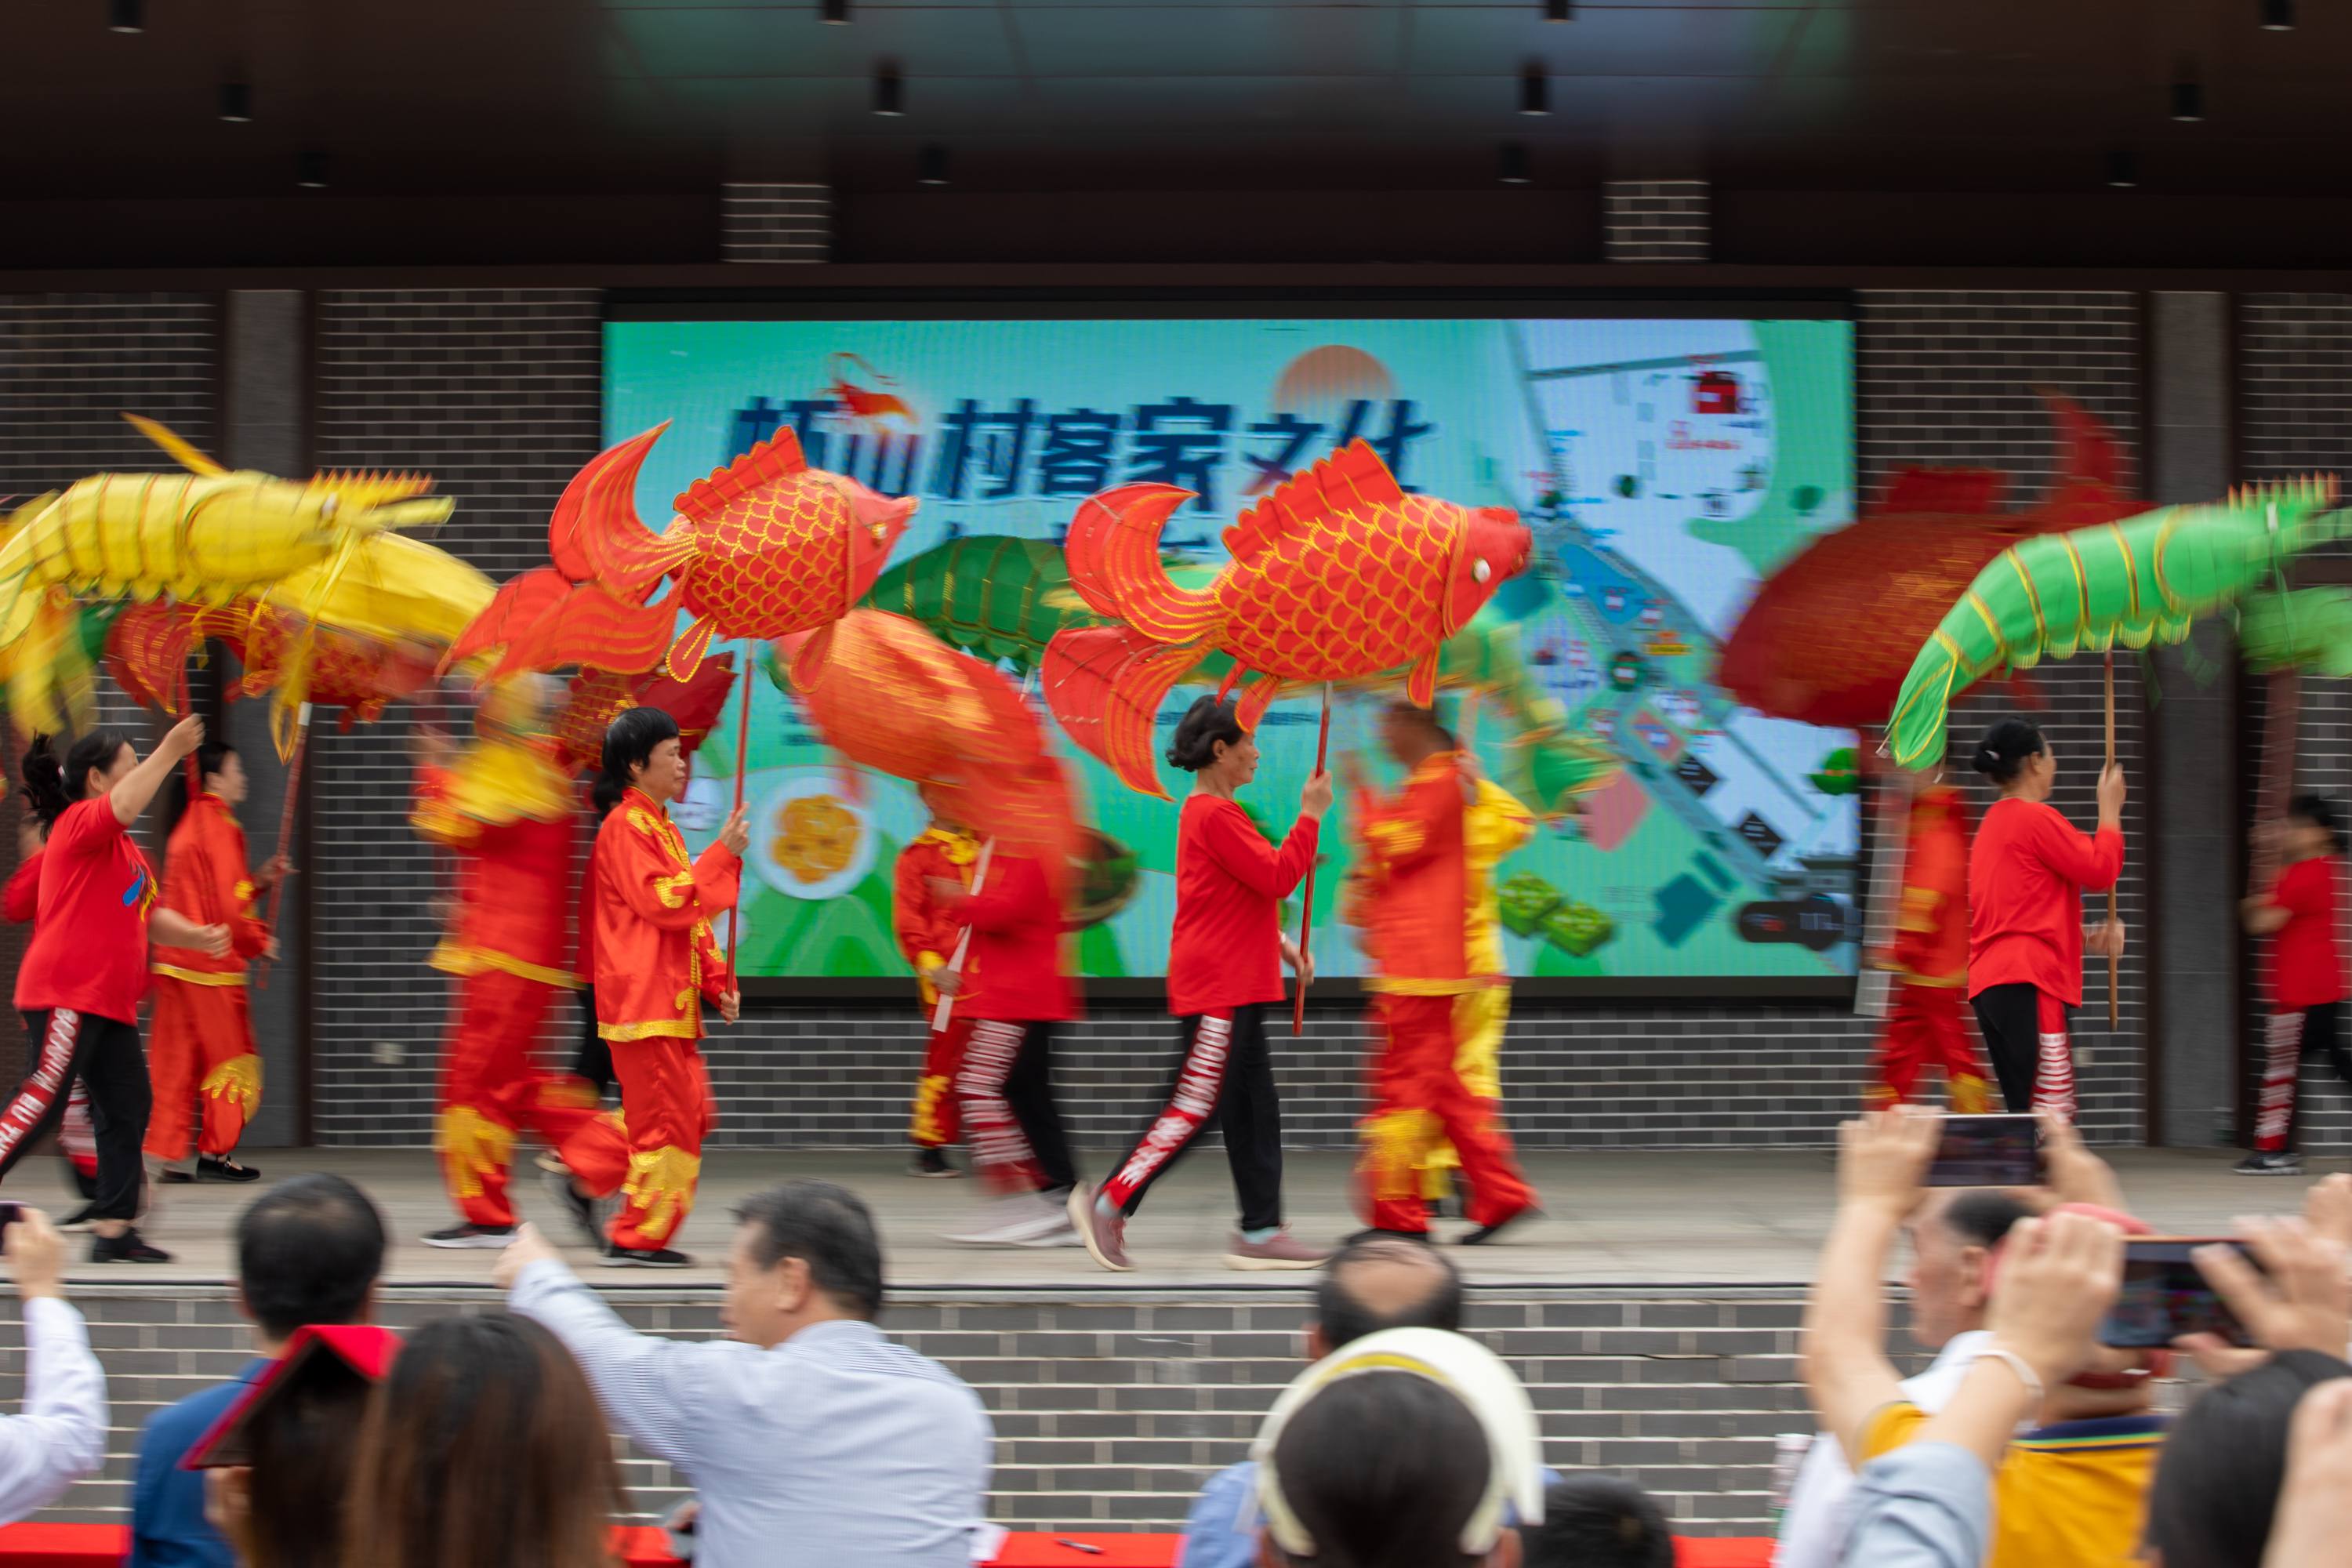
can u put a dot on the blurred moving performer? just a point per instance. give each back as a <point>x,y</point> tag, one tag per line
<point>2298,913</point>
<point>1929,958</point>
<point>1417,896</point>
<point>656,965</point>
<point>507,811</point>
<point>20,901</point>
<point>928,927</point>
<point>200,1054</point>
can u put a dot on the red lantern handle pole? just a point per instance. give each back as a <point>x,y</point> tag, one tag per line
<point>743,753</point>
<point>1306,906</point>
<point>2115,963</point>
<point>285,831</point>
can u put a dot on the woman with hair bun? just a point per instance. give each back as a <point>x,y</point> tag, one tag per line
<point>2027,873</point>
<point>1225,954</point>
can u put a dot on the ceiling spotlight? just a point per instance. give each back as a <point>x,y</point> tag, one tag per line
<point>2122,169</point>
<point>889,92</point>
<point>1535,91</point>
<point>126,15</point>
<point>833,12</point>
<point>2187,99</point>
<point>931,166</point>
<point>1560,10</point>
<point>2278,16</point>
<point>310,169</point>
<point>236,102</point>
<point>1513,170</point>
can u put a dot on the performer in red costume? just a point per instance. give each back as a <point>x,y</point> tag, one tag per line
<point>507,811</point>
<point>656,965</point>
<point>2026,875</point>
<point>1225,954</point>
<point>200,1055</point>
<point>1929,958</point>
<point>20,901</point>
<point>1417,893</point>
<point>1016,994</point>
<point>928,929</point>
<point>2298,913</point>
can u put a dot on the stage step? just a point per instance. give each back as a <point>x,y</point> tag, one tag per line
<point>1112,1405</point>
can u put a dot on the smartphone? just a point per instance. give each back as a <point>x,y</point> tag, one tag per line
<point>2163,1296</point>
<point>1989,1151</point>
<point>10,1214</point>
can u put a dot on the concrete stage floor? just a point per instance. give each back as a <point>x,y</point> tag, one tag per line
<point>1612,1219</point>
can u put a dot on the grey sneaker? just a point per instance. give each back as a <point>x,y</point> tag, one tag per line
<point>488,1237</point>
<point>2279,1162</point>
<point>1280,1250</point>
<point>1104,1234</point>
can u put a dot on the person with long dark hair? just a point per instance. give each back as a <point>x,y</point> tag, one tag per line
<point>201,1059</point>
<point>657,963</point>
<point>483,1448</point>
<point>1224,965</point>
<point>2027,873</point>
<point>85,968</point>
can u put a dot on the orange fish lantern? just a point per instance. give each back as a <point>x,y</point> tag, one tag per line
<point>600,696</point>
<point>1833,630</point>
<point>764,548</point>
<point>888,695</point>
<point>1337,574</point>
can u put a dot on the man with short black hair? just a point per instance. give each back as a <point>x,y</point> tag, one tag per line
<point>1376,1281</point>
<point>1596,1520</point>
<point>806,1430</point>
<point>307,1252</point>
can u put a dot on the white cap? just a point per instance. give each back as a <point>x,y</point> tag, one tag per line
<point>1464,1368</point>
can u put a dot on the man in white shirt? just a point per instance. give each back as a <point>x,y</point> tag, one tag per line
<point>1952,1236</point>
<point>808,1435</point>
<point>62,1436</point>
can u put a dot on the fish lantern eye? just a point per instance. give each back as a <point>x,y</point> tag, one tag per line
<point>877,531</point>
<point>328,508</point>
<point>1480,570</point>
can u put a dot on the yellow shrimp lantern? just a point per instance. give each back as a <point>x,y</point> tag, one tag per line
<point>207,536</point>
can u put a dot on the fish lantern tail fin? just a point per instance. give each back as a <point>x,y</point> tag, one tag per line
<point>595,535</point>
<point>1105,684</point>
<point>1113,551</point>
<point>591,626</point>
<point>510,616</point>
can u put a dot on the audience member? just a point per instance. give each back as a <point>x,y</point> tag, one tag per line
<point>307,1252</point>
<point>1374,1282</point>
<point>2073,1489</point>
<point>1952,1234</point>
<point>62,1436</point>
<point>1404,1450</point>
<point>1598,1522</point>
<point>810,1427</point>
<point>2315,1505</point>
<point>483,1449</point>
<point>2215,1491</point>
<point>278,1465</point>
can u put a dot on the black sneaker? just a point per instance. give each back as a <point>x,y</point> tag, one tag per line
<point>931,1165</point>
<point>224,1168</point>
<point>80,1220</point>
<point>128,1247</point>
<point>618,1256</point>
<point>1487,1233</point>
<point>583,1210</point>
<point>487,1237</point>
<point>2280,1162</point>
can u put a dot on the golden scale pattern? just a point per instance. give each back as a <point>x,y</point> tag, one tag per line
<point>773,562</point>
<point>1386,566</point>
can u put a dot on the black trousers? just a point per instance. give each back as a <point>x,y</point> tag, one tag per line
<point>595,1061</point>
<point>106,1053</point>
<point>1227,1072</point>
<point>2010,1017</point>
<point>1029,1090</point>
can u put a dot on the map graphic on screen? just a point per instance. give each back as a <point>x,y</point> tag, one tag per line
<point>1665,468</point>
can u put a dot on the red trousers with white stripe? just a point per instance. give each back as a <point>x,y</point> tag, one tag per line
<point>2294,1035</point>
<point>2025,1035</point>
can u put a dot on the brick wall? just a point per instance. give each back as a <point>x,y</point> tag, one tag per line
<point>2295,384</point>
<point>70,365</point>
<point>1112,1405</point>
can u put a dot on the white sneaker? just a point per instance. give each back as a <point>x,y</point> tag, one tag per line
<point>1063,1234</point>
<point>1016,1221</point>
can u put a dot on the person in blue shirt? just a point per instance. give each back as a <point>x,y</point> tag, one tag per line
<point>307,1251</point>
<point>1379,1281</point>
